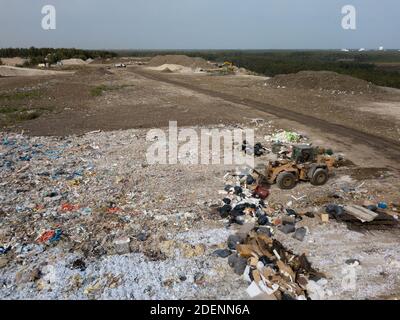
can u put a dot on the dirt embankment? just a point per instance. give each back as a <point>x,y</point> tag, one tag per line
<point>323,80</point>
<point>182,60</point>
<point>74,62</point>
<point>13,62</point>
<point>7,71</point>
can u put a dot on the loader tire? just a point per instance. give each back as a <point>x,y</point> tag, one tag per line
<point>286,180</point>
<point>320,177</point>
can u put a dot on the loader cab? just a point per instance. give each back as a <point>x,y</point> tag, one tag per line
<point>303,154</point>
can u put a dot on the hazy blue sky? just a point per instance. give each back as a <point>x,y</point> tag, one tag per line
<point>200,24</point>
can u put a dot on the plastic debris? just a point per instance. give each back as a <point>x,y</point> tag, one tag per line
<point>382,205</point>
<point>4,249</point>
<point>222,253</point>
<point>50,236</point>
<point>286,137</point>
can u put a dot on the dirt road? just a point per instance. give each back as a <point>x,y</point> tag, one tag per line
<point>387,147</point>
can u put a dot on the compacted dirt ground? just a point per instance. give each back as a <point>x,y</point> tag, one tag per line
<point>130,230</point>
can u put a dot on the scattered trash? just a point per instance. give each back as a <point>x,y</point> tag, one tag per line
<point>324,217</point>
<point>316,290</point>
<point>3,262</point>
<point>382,205</point>
<point>122,245</point>
<point>233,241</point>
<point>222,253</point>
<point>287,228</point>
<point>225,210</point>
<point>263,220</point>
<point>257,150</point>
<point>66,207</point>
<point>353,262</point>
<point>334,210</point>
<point>300,233</point>
<point>237,263</point>
<point>4,250</point>
<point>261,192</point>
<point>79,264</point>
<point>143,236</point>
<point>286,137</point>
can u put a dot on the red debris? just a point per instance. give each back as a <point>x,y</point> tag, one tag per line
<point>46,236</point>
<point>69,207</point>
<point>113,210</point>
<point>261,192</point>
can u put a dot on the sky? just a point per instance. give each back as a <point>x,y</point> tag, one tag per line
<point>200,24</point>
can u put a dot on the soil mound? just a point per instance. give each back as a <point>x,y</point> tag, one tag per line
<point>323,80</point>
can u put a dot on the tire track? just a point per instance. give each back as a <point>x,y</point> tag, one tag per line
<point>387,147</point>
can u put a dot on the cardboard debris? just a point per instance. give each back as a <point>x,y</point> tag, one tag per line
<point>272,269</point>
<point>324,217</point>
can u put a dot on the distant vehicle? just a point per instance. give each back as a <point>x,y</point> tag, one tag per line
<point>120,65</point>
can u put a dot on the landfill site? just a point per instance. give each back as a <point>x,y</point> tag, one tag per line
<point>84,215</point>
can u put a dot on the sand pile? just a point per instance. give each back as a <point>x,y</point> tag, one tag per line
<point>7,71</point>
<point>73,62</point>
<point>173,68</point>
<point>322,80</point>
<point>181,60</point>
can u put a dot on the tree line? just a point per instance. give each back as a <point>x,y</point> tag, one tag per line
<point>52,55</point>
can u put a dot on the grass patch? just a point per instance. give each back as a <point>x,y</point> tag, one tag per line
<point>6,110</point>
<point>10,115</point>
<point>28,115</point>
<point>20,95</point>
<point>99,90</point>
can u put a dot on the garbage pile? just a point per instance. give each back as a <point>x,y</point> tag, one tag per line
<point>366,216</point>
<point>272,271</point>
<point>244,200</point>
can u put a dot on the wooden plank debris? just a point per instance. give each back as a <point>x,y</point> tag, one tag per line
<point>361,213</point>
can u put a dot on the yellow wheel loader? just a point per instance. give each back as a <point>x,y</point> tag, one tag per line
<point>306,164</point>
